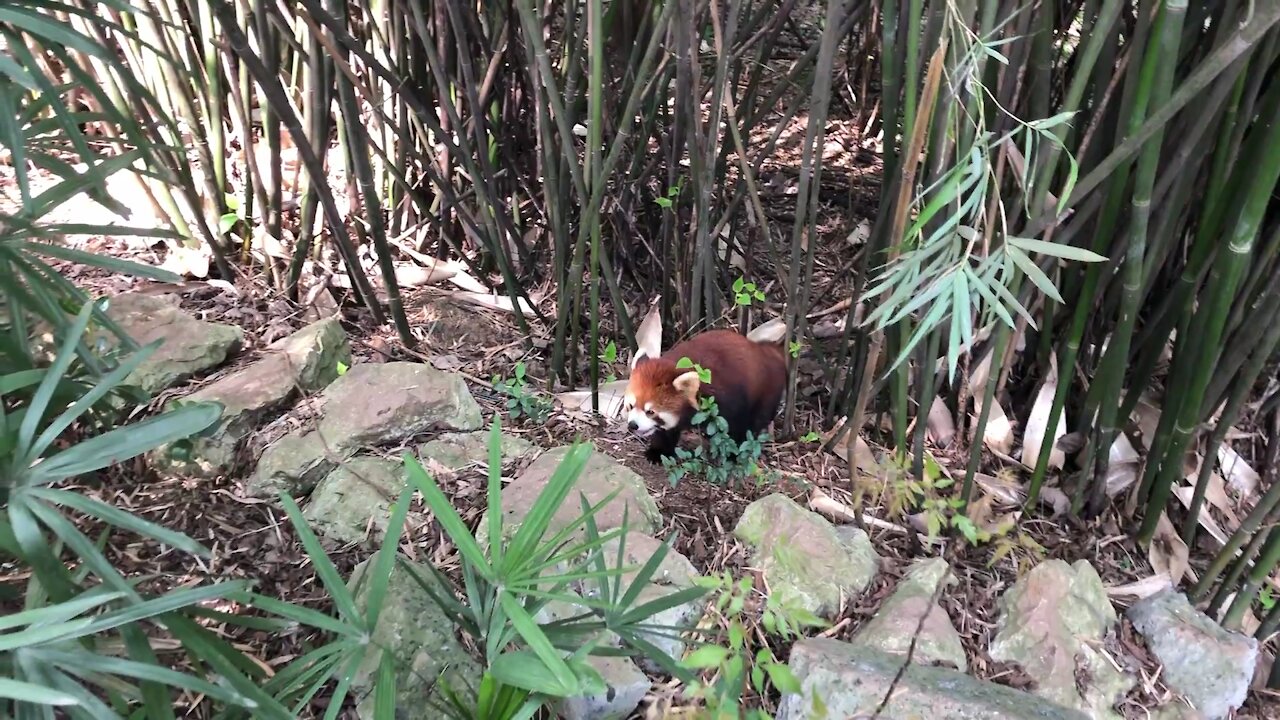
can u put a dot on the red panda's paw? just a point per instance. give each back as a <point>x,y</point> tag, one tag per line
<point>655,454</point>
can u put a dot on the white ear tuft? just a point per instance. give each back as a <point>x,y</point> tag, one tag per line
<point>688,384</point>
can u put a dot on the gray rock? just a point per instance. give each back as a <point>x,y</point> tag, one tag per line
<point>1203,661</point>
<point>454,451</point>
<point>806,563</point>
<point>600,476</point>
<point>190,346</point>
<point>895,624</point>
<point>305,361</point>
<point>1050,623</point>
<point>421,638</point>
<point>839,680</point>
<point>391,402</point>
<point>354,501</point>
<point>371,404</point>
<point>625,687</point>
<point>294,464</point>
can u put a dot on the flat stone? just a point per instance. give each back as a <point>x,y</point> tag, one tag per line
<point>894,626</point>
<point>305,361</point>
<point>1051,621</point>
<point>189,345</point>
<point>840,680</point>
<point>391,402</point>
<point>1203,661</point>
<point>600,476</point>
<point>294,464</point>
<point>806,562</point>
<point>354,501</point>
<point>454,451</point>
<point>421,638</point>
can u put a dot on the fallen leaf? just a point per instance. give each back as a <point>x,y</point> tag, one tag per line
<point>1168,554</point>
<point>611,398</point>
<point>941,426</point>
<point>853,445</point>
<point>773,331</point>
<point>493,301</point>
<point>1005,490</point>
<point>1140,589</point>
<point>1038,422</point>
<point>1185,494</point>
<point>649,334</point>
<point>1056,499</point>
<point>1147,417</point>
<point>1241,477</point>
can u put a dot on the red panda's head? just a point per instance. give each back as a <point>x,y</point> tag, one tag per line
<point>659,396</point>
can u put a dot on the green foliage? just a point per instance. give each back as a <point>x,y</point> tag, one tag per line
<point>668,201</point>
<point>521,400</point>
<point>720,460</point>
<point>609,356</point>
<point>512,576</point>
<point>704,375</point>
<point>79,637</point>
<point>735,663</point>
<point>745,293</point>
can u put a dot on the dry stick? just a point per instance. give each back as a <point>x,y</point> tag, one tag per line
<point>911,159</point>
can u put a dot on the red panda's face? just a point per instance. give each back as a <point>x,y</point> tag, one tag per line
<point>658,396</point>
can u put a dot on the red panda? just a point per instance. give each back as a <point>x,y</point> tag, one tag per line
<point>747,382</point>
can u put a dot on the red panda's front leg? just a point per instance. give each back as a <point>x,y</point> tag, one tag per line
<point>662,444</point>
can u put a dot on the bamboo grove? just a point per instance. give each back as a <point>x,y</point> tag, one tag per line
<point>1081,190</point>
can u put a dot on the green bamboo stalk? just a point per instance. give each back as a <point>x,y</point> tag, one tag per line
<point>239,44</point>
<point>595,130</point>
<point>1209,319</point>
<point>1156,88</point>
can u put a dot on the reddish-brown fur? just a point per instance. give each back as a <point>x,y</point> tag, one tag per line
<point>747,382</point>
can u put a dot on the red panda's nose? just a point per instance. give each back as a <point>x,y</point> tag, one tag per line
<point>632,426</point>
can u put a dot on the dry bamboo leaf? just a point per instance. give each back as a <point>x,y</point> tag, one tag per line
<point>820,502</point>
<point>859,234</point>
<point>611,396</point>
<point>1056,499</point>
<point>1002,487</point>
<point>187,262</point>
<point>853,444</point>
<point>1241,477</point>
<point>1038,422</point>
<point>462,279</point>
<point>998,434</point>
<point>1185,494</point>
<point>493,302</point>
<point>773,331</point>
<point>649,334</point>
<point>1147,416</point>
<point>1249,623</point>
<point>941,425</point>
<point>1140,589</point>
<point>978,378</point>
<point>1121,477</point>
<point>1168,554</point>
<point>409,275</point>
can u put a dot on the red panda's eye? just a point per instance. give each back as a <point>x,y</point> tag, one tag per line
<point>649,412</point>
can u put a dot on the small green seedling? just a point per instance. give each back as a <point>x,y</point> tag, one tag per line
<point>745,293</point>
<point>522,401</point>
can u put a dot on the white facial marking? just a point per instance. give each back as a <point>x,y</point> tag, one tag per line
<point>641,422</point>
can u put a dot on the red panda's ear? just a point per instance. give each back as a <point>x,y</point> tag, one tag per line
<point>688,384</point>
